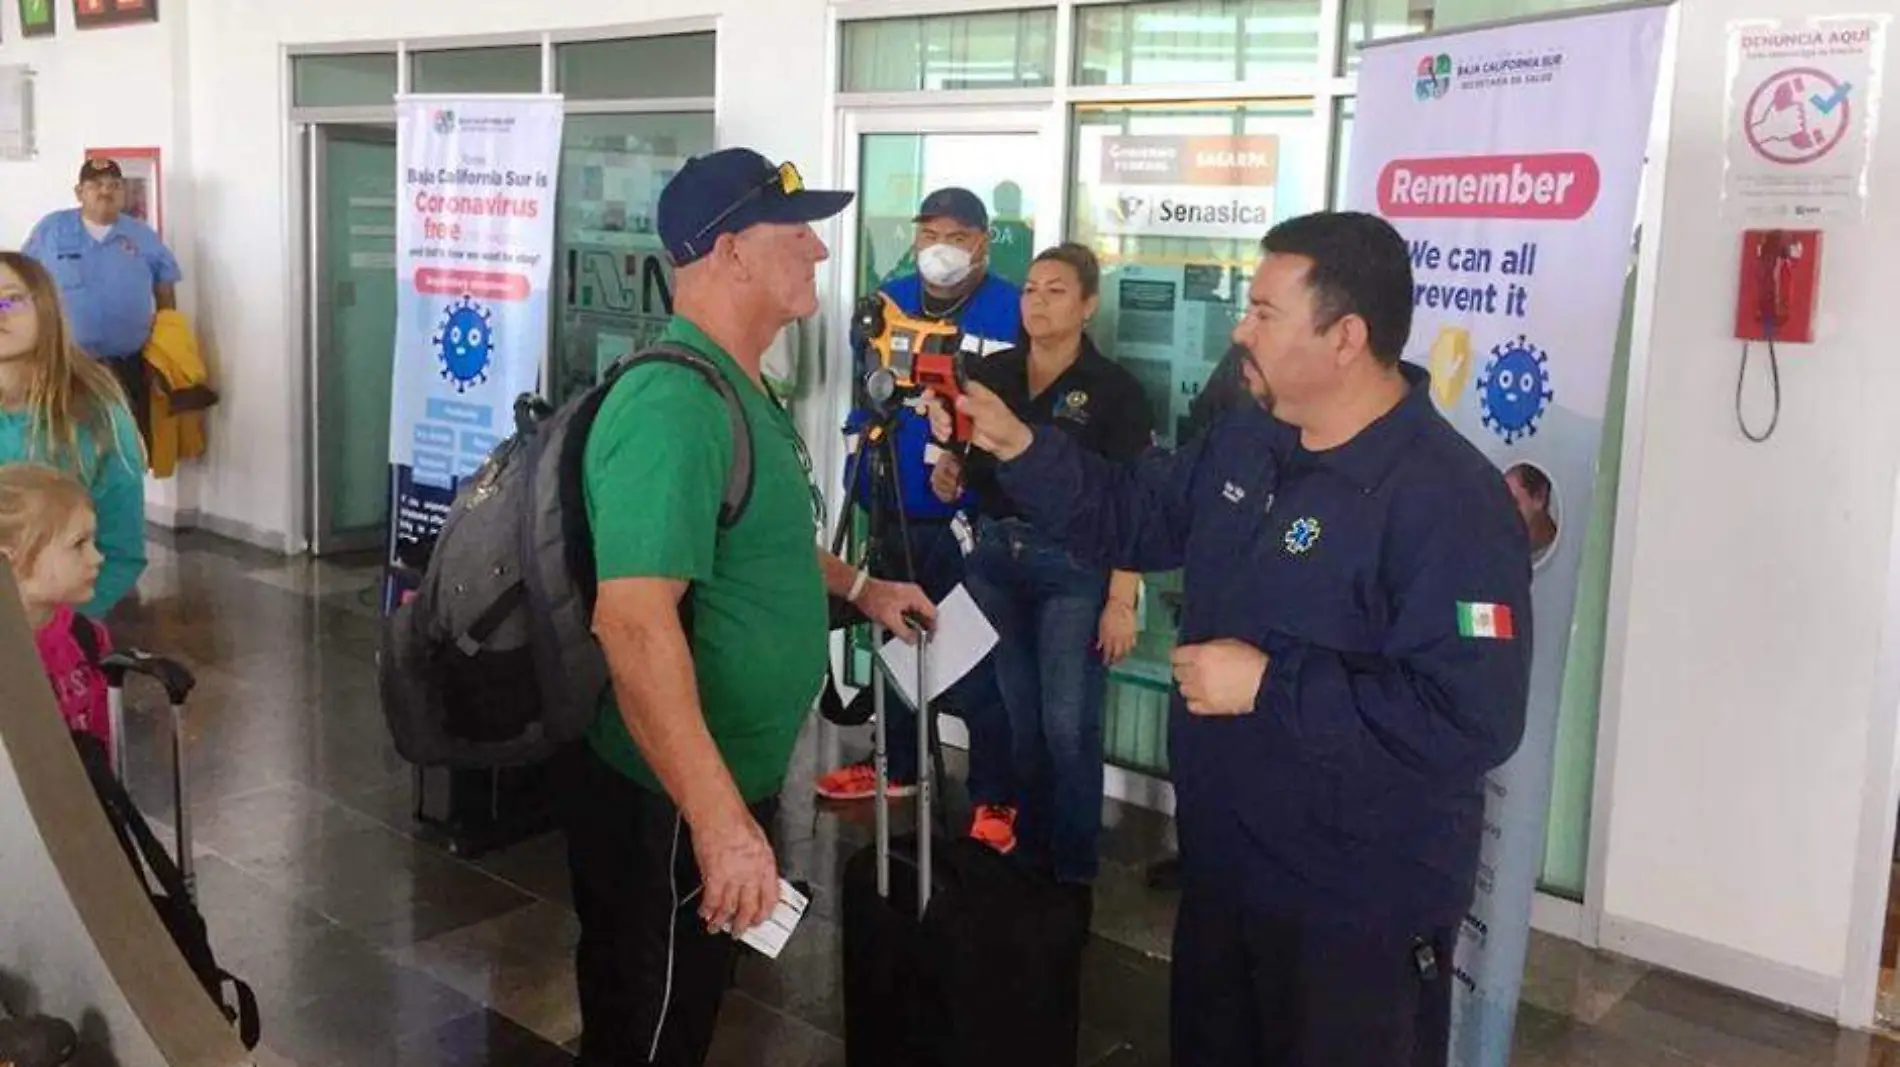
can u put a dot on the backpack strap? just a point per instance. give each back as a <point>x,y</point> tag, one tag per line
<point>87,639</point>
<point>738,492</point>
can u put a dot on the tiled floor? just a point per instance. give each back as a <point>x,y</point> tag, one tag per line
<point>370,945</point>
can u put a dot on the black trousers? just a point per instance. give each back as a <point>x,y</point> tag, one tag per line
<point>651,978</point>
<point>134,378</point>
<point>1254,990</point>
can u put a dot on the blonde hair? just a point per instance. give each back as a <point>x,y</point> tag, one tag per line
<point>69,390</point>
<point>37,503</point>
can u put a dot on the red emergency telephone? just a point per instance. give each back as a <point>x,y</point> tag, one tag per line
<point>1780,286</point>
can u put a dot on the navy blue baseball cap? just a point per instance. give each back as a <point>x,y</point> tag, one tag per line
<point>953,203</point>
<point>732,190</point>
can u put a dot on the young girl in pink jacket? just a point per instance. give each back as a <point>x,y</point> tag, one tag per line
<point>46,537</point>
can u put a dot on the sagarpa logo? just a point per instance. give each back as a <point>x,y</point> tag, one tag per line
<point>1434,77</point>
<point>445,122</point>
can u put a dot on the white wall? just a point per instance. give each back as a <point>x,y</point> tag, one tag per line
<point>1739,759</point>
<point>81,106</point>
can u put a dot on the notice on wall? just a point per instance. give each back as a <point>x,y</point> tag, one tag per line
<point>474,255</point>
<point>1802,105</point>
<point>1162,185</point>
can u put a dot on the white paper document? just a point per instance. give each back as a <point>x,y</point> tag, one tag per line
<point>769,937</point>
<point>962,637</point>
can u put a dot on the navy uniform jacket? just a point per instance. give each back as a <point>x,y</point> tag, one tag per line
<point>1389,582</point>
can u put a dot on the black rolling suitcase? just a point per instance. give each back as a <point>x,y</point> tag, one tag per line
<point>169,879</point>
<point>980,969</point>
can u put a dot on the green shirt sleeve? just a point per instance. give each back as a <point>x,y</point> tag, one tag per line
<point>654,472</point>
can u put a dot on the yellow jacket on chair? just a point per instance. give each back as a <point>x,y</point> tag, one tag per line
<point>180,393</point>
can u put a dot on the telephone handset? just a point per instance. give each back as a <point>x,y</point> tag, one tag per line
<point>1778,293</point>
<point>1772,260</point>
<point>1780,274</point>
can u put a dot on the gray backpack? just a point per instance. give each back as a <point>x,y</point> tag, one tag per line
<point>493,661</point>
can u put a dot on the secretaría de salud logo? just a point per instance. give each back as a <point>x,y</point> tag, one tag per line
<point>444,121</point>
<point>1434,77</point>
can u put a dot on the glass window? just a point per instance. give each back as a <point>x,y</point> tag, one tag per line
<point>343,81</point>
<point>1342,149</point>
<point>896,172</point>
<point>477,70</point>
<point>1175,199</point>
<point>640,68</point>
<point>617,290</point>
<point>1376,20</point>
<point>989,50</point>
<point>1196,41</point>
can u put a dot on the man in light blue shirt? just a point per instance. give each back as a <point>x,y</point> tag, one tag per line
<point>114,275</point>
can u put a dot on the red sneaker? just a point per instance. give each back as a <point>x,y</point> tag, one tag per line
<point>995,826</point>
<point>858,781</point>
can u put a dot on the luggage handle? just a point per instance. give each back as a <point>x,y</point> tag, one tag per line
<point>178,683</point>
<point>926,768</point>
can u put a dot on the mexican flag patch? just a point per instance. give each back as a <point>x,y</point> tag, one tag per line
<point>1490,621</point>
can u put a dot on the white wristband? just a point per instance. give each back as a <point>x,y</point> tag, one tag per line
<point>857,586</point>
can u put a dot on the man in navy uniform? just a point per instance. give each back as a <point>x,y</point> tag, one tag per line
<point>1354,656</point>
<point>952,283</point>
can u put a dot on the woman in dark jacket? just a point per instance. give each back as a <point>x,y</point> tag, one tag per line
<point>1061,624</point>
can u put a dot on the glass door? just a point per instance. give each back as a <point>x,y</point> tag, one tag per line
<point>1006,157</point>
<point>353,309</point>
<point>616,285</point>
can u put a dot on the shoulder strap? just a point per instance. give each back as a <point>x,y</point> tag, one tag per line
<point>738,492</point>
<point>87,639</point>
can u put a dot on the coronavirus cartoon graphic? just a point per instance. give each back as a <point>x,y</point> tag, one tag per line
<point>1515,389</point>
<point>465,344</point>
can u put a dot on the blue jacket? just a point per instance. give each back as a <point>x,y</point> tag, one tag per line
<point>993,317</point>
<point>1388,581</point>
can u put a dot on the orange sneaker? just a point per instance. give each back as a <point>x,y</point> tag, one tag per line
<point>995,826</point>
<point>857,781</point>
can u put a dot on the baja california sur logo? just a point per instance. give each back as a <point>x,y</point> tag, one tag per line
<point>1434,77</point>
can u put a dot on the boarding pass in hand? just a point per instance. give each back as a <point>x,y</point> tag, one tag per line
<point>769,937</point>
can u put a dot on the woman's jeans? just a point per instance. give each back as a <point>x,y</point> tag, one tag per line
<point>1047,611</point>
<point>937,559</point>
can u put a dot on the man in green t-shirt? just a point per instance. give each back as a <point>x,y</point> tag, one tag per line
<point>681,773</point>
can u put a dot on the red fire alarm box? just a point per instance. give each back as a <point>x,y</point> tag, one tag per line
<point>1780,286</point>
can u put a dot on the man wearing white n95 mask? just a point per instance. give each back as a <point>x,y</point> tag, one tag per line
<point>952,283</point>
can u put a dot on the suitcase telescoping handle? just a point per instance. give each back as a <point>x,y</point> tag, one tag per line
<point>880,759</point>
<point>926,768</point>
<point>178,684</point>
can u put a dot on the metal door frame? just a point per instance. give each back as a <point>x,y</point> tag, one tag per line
<point>316,139</point>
